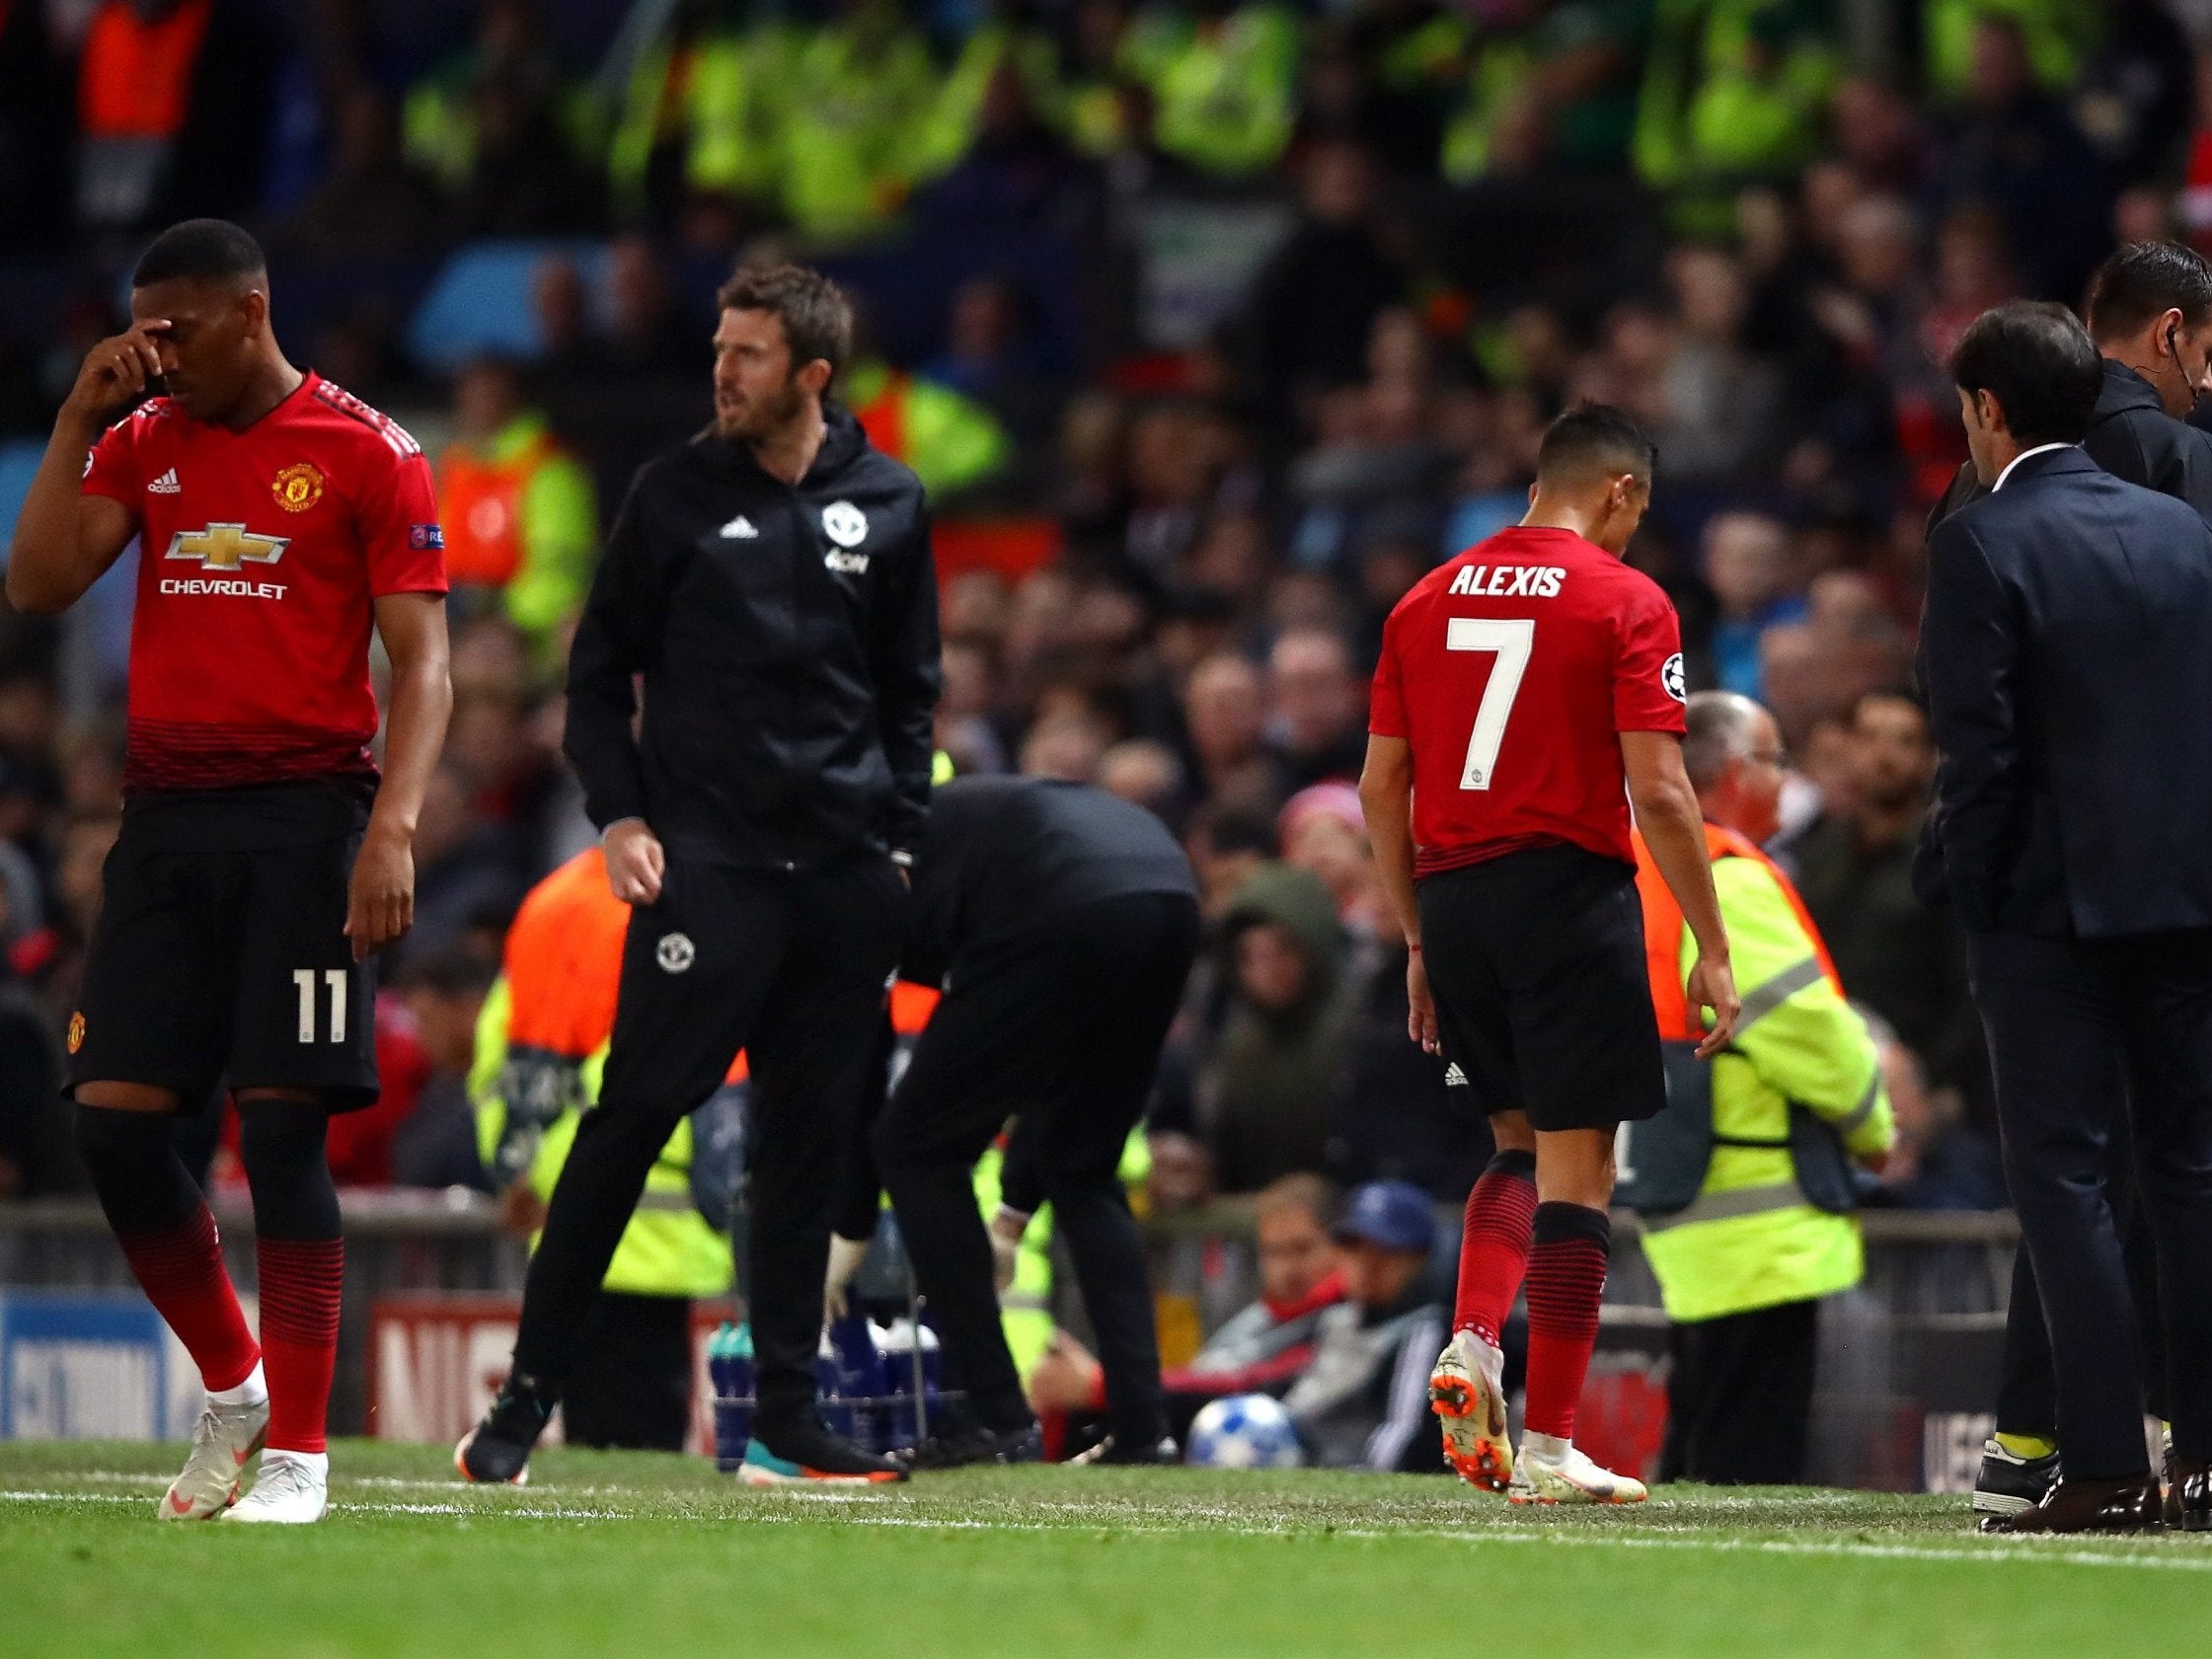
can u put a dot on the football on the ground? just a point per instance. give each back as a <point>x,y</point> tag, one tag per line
<point>1245,1431</point>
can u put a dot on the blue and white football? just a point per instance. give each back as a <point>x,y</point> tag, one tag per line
<point>1244,1431</point>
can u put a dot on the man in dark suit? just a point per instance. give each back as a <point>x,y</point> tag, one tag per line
<point>2068,666</point>
<point>2150,313</point>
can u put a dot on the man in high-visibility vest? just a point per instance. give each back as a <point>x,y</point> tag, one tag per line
<point>540,1043</point>
<point>1743,1267</point>
<point>518,512</point>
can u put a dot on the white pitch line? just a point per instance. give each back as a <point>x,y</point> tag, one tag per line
<point>2023,1550</point>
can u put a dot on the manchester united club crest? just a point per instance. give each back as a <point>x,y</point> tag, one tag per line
<point>298,486</point>
<point>76,1033</point>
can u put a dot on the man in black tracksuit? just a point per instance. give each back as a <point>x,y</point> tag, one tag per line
<point>1061,922</point>
<point>772,582</point>
<point>2150,313</point>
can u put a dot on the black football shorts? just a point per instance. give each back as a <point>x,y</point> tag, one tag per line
<point>1536,960</point>
<point>214,959</point>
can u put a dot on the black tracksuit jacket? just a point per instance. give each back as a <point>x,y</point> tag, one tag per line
<point>1004,857</point>
<point>788,641</point>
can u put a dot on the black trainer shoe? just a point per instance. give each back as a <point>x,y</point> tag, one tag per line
<point>1113,1450</point>
<point>497,1449</point>
<point>2009,1484</point>
<point>800,1454</point>
<point>958,1445</point>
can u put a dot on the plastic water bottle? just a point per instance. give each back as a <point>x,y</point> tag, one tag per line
<point>894,1343</point>
<point>898,1346</point>
<point>836,1413</point>
<point>729,1368</point>
<point>859,1379</point>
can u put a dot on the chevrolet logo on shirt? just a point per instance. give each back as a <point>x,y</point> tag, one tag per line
<point>223,548</point>
<point>226,547</point>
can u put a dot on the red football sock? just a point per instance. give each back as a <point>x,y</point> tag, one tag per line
<point>1493,1245</point>
<point>1565,1280</point>
<point>181,1269</point>
<point>300,1281</point>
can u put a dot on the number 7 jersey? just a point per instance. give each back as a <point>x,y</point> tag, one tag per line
<point>1510,671</point>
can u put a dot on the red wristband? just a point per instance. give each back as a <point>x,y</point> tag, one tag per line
<point>1413,949</point>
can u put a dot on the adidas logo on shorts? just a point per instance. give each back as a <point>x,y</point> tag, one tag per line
<point>1454,1078</point>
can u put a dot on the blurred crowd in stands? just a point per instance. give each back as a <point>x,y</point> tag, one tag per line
<point>1210,325</point>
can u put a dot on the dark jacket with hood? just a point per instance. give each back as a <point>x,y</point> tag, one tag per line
<point>1264,1102</point>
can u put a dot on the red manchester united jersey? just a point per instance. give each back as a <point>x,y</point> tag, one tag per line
<point>259,553</point>
<point>1510,671</point>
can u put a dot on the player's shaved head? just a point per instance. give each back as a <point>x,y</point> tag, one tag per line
<point>201,294</point>
<point>1590,442</point>
<point>1593,477</point>
<point>202,251</point>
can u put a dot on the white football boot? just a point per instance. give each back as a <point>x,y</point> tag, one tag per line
<point>226,1437</point>
<point>1557,1473</point>
<point>1467,1391</point>
<point>293,1490</point>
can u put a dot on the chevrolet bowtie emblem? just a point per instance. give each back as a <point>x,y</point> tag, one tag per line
<point>224,546</point>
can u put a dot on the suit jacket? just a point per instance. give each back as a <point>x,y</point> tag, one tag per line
<point>2132,437</point>
<point>2069,667</point>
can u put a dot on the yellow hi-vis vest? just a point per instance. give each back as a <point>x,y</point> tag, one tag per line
<point>1750,1240</point>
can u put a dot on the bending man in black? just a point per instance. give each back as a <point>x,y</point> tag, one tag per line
<point>1061,922</point>
<point>772,581</point>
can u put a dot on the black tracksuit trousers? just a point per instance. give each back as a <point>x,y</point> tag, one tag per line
<point>790,967</point>
<point>1739,1399</point>
<point>1060,1028</point>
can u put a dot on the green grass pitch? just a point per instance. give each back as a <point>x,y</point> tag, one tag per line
<point>609,1554</point>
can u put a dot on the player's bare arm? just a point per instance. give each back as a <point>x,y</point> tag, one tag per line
<point>65,540</point>
<point>1386,795</point>
<point>1666,811</point>
<point>380,899</point>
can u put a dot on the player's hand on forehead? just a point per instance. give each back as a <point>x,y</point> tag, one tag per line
<point>120,366</point>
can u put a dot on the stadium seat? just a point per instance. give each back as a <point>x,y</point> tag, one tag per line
<point>19,461</point>
<point>481,301</point>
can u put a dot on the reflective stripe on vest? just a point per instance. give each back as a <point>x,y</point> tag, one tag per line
<point>1772,992</point>
<point>1850,1126</point>
<point>480,505</point>
<point>1662,939</point>
<point>1724,1206</point>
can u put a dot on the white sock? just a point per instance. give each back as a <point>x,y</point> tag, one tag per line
<point>252,1392</point>
<point>317,1464</point>
<point>1545,1448</point>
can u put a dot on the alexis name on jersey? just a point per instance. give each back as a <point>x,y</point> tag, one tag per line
<point>1509,582</point>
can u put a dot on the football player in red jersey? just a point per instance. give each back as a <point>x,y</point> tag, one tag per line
<point>260,863</point>
<point>1529,691</point>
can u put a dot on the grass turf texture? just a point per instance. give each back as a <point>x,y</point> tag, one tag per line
<point>657,1556</point>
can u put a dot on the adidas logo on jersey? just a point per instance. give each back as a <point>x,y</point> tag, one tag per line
<point>1454,1078</point>
<point>166,484</point>
<point>739,529</point>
